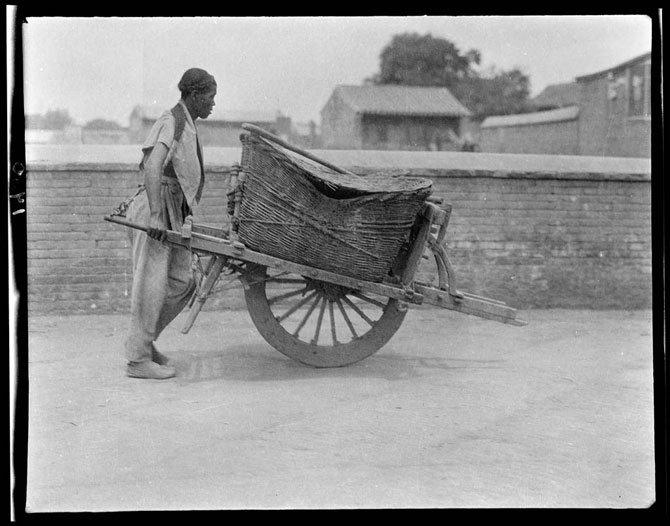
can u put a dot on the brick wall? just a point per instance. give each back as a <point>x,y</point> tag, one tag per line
<point>534,231</point>
<point>551,242</point>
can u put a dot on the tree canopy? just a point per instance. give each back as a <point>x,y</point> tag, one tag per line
<point>411,59</point>
<point>415,60</point>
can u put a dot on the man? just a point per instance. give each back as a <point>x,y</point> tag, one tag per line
<point>173,179</point>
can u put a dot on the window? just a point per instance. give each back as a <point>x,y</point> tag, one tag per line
<point>382,133</point>
<point>639,90</point>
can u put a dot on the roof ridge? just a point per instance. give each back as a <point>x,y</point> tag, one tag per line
<point>535,117</point>
<point>402,99</point>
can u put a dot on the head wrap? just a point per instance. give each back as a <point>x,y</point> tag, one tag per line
<point>196,79</point>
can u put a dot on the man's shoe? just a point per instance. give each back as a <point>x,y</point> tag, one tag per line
<point>158,357</point>
<point>150,370</point>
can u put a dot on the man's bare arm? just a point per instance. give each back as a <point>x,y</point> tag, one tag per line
<point>153,169</point>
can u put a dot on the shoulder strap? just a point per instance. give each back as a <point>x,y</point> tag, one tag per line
<point>180,121</point>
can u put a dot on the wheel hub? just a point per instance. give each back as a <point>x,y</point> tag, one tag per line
<point>329,291</point>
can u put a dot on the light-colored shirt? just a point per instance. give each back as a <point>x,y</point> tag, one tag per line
<point>182,153</point>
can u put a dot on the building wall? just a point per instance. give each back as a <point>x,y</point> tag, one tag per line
<point>226,134</point>
<point>340,126</point>
<point>605,126</point>
<point>384,132</point>
<point>567,238</point>
<point>102,136</point>
<point>556,138</point>
<point>210,133</point>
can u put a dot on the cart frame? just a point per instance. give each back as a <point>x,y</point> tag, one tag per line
<point>226,252</point>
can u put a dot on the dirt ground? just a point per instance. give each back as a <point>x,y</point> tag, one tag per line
<point>455,412</point>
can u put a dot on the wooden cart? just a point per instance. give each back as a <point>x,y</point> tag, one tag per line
<point>321,317</point>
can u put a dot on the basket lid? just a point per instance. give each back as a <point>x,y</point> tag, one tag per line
<point>347,184</point>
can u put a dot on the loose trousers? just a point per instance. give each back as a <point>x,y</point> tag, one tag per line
<point>163,279</point>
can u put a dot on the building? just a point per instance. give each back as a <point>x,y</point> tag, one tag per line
<point>553,132</point>
<point>616,110</point>
<point>607,113</point>
<point>104,136</point>
<point>221,128</point>
<point>392,118</point>
<point>556,96</point>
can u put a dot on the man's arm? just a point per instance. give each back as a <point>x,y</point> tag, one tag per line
<point>153,169</point>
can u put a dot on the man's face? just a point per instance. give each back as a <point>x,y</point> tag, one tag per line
<point>205,103</point>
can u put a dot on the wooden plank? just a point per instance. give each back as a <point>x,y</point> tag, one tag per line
<point>475,297</point>
<point>207,244</point>
<point>469,304</point>
<point>483,308</point>
<point>223,247</point>
<point>210,230</point>
<point>418,247</point>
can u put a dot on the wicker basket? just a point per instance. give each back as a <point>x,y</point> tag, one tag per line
<point>301,211</point>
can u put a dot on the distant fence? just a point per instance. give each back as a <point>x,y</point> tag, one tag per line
<point>534,231</point>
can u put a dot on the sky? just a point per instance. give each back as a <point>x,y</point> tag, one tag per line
<point>104,67</point>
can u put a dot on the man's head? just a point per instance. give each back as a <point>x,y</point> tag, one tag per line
<point>198,89</point>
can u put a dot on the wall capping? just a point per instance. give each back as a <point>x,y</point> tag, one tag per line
<point>86,167</point>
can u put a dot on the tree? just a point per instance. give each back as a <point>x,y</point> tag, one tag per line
<point>414,60</point>
<point>496,93</point>
<point>57,119</point>
<point>51,120</point>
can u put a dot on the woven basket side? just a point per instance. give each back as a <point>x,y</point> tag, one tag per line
<point>283,214</point>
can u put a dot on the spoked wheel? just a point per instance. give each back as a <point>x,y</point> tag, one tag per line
<point>319,323</point>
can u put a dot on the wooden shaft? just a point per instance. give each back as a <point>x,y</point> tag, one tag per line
<point>125,222</point>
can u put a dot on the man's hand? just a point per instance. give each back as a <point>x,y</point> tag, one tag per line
<point>156,228</point>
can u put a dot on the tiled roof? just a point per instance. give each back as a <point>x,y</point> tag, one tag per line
<point>557,95</point>
<point>639,58</point>
<point>402,100</point>
<point>152,112</point>
<point>539,117</point>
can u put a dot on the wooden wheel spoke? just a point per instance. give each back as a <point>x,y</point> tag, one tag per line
<point>372,301</point>
<point>297,328</point>
<point>306,317</point>
<point>319,321</point>
<point>287,295</point>
<point>358,311</point>
<point>302,302</point>
<point>347,320</point>
<point>286,280</point>
<point>333,332</point>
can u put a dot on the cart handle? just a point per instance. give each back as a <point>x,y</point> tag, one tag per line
<point>270,137</point>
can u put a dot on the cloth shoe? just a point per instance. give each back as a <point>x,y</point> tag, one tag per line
<point>151,370</point>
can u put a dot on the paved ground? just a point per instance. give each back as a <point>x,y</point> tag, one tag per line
<point>454,412</point>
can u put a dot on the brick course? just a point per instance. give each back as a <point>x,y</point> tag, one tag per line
<point>539,239</point>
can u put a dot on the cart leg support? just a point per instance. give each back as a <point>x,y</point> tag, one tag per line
<point>200,296</point>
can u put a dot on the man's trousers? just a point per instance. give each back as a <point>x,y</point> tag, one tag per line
<point>163,279</point>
